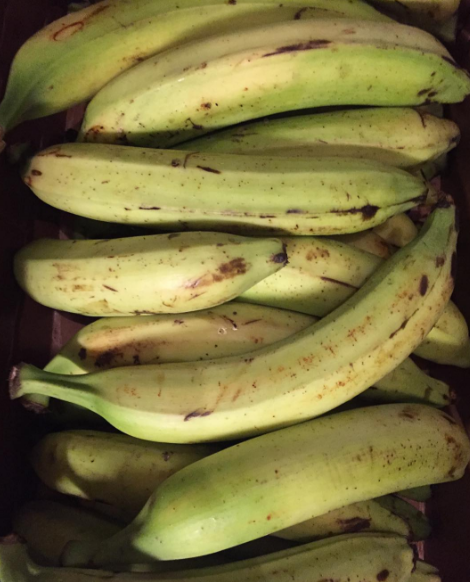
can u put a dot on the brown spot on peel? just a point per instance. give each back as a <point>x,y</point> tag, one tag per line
<point>36,173</point>
<point>196,414</point>
<point>383,575</point>
<point>354,524</point>
<point>423,285</point>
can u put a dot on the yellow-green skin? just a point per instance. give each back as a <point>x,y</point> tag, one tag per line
<point>263,195</point>
<point>142,275</point>
<point>280,479</point>
<point>59,66</point>
<point>396,136</point>
<point>222,81</point>
<point>302,376</point>
<point>112,468</point>
<point>348,558</point>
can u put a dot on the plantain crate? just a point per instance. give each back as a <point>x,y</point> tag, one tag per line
<point>33,333</point>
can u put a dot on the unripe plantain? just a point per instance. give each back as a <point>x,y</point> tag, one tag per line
<point>112,468</point>
<point>398,136</point>
<point>144,274</point>
<point>162,189</point>
<point>211,84</point>
<point>280,479</point>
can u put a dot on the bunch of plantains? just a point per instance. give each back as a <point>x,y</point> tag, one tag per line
<point>246,405</point>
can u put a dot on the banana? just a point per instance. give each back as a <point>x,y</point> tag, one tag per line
<point>211,84</point>
<point>421,494</point>
<point>58,68</point>
<point>321,274</point>
<point>398,230</point>
<point>397,136</point>
<point>300,377</point>
<point>226,330</point>
<point>163,188</point>
<point>407,383</point>
<point>280,479</point>
<point>144,274</point>
<point>417,521</point>
<point>112,468</point>
<point>370,515</point>
<point>356,557</point>
<point>367,241</point>
<point>47,526</point>
<point>449,343</point>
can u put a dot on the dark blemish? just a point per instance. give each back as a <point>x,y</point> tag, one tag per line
<point>453,266</point>
<point>427,392</point>
<point>106,358</point>
<point>432,94</point>
<point>233,324</point>
<point>354,524</point>
<point>77,25</point>
<point>248,360</point>
<point>186,158</point>
<point>82,354</point>
<point>301,46</point>
<point>330,280</point>
<point>423,91</point>
<point>407,413</point>
<point>207,169</point>
<point>295,211</point>
<point>422,117</point>
<point>269,517</point>
<point>202,66</point>
<point>251,321</point>
<point>232,2</point>
<point>178,322</point>
<point>36,173</point>
<point>423,285</point>
<point>236,395</point>
<point>402,326</point>
<point>145,312</point>
<point>440,261</point>
<point>452,472</point>
<point>279,258</point>
<point>206,105</point>
<point>174,235</point>
<point>196,414</point>
<point>136,360</point>
<point>233,268</point>
<point>433,73</point>
<point>383,575</point>
<point>450,440</point>
<point>166,456</point>
<point>175,163</point>
<point>444,201</point>
<point>110,288</point>
<point>195,125</point>
<point>298,15</point>
<point>143,207</point>
<point>368,211</point>
<point>267,216</point>
<point>105,182</point>
<point>62,156</point>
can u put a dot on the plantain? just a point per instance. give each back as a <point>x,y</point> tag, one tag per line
<point>144,274</point>
<point>162,189</point>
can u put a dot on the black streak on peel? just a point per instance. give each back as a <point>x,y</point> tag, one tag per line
<point>196,414</point>
<point>402,326</point>
<point>82,354</point>
<point>368,211</point>
<point>301,46</point>
<point>423,285</point>
<point>337,282</point>
<point>207,169</point>
<point>279,258</point>
<point>354,524</point>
